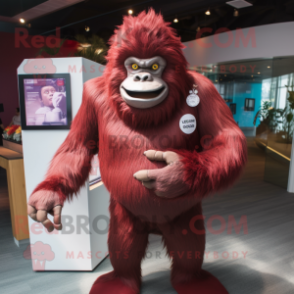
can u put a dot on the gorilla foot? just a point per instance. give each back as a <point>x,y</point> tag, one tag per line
<point>206,283</point>
<point>111,284</point>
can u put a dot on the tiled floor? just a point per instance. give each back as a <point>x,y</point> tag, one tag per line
<point>263,260</point>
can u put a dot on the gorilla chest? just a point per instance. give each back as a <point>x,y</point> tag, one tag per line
<point>179,133</point>
<point>121,155</point>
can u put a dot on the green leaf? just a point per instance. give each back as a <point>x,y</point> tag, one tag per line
<point>289,117</point>
<point>93,48</point>
<point>51,51</point>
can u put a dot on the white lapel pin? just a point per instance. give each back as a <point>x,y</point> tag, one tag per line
<point>193,99</point>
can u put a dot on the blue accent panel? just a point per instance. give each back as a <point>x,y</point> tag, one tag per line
<point>245,118</point>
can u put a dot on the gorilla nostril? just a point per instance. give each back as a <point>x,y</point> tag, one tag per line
<point>142,77</point>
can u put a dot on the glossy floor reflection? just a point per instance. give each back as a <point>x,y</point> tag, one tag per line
<point>263,260</point>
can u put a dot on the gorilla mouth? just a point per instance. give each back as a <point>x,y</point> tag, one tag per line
<point>144,95</point>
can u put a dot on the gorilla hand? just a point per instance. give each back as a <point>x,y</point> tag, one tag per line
<point>43,202</point>
<point>167,182</point>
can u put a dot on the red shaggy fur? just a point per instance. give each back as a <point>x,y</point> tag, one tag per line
<point>144,37</point>
<point>71,164</point>
<point>224,156</point>
<point>125,133</point>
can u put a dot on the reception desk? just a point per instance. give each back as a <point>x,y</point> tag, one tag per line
<point>13,163</point>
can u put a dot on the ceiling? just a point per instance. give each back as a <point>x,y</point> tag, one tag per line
<point>13,7</point>
<point>103,16</point>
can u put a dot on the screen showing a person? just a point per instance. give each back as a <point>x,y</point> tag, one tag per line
<point>45,101</point>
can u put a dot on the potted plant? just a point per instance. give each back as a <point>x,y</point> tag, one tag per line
<point>268,118</point>
<point>288,115</point>
<point>92,48</point>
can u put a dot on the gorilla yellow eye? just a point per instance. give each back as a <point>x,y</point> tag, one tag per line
<point>135,66</point>
<point>155,66</point>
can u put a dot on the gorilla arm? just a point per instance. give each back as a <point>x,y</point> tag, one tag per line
<point>70,166</point>
<point>224,156</point>
<point>216,167</point>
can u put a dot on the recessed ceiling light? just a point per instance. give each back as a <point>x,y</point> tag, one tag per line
<point>130,11</point>
<point>207,12</point>
<point>21,20</point>
<point>268,67</point>
<point>87,29</point>
<point>176,20</point>
<point>258,73</point>
<point>239,3</point>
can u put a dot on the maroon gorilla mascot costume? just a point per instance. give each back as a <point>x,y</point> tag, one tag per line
<point>149,137</point>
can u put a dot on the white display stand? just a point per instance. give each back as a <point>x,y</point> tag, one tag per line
<point>82,244</point>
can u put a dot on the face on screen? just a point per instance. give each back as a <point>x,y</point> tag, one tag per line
<point>47,95</point>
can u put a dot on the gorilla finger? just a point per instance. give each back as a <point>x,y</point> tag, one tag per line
<point>32,212</point>
<point>57,217</point>
<point>154,155</point>
<point>41,215</point>
<point>170,157</point>
<point>154,173</point>
<point>149,184</point>
<point>48,225</point>
<point>141,175</point>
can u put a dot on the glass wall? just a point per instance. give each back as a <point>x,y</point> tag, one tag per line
<point>260,94</point>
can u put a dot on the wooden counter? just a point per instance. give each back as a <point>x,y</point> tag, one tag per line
<point>13,163</point>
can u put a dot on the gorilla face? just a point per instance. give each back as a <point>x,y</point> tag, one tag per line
<point>144,88</point>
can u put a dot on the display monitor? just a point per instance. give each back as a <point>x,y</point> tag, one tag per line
<point>45,101</point>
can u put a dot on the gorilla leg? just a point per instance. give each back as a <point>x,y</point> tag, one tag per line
<point>184,238</point>
<point>127,242</point>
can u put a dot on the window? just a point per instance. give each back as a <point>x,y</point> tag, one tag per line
<point>249,104</point>
<point>233,108</point>
<point>282,93</point>
<point>220,88</point>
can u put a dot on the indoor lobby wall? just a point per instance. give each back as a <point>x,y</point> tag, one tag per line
<point>260,48</point>
<point>265,41</point>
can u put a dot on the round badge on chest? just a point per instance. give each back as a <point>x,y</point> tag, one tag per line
<point>188,123</point>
